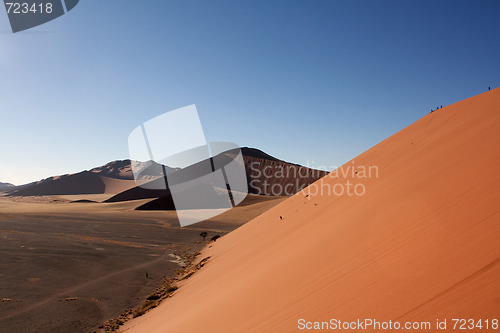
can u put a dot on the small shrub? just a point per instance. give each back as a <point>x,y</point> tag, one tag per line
<point>153,297</point>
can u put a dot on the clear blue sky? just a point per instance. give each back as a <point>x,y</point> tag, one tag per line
<point>304,80</point>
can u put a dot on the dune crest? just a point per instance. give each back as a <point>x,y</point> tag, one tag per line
<point>421,244</point>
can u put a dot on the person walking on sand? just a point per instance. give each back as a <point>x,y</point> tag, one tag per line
<point>489,88</point>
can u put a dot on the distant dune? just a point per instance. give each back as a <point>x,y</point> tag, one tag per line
<point>422,243</point>
<point>6,186</point>
<point>138,193</point>
<point>112,178</point>
<point>263,172</point>
<point>113,186</point>
<point>120,169</point>
<point>85,182</point>
<point>266,175</point>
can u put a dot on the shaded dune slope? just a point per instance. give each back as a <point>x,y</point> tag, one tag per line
<point>422,243</point>
<point>81,183</point>
<point>6,186</point>
<point>84,182</point>
<point>263,172</point>
<point>112,178</point>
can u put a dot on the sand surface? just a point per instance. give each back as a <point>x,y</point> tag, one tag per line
<point>423,242</point>
<point>69,263</point>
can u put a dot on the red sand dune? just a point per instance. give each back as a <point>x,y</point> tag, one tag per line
<point>85,182</point>
<point>422,243</point>
<point>266,175</point>
<point>113,177</point>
